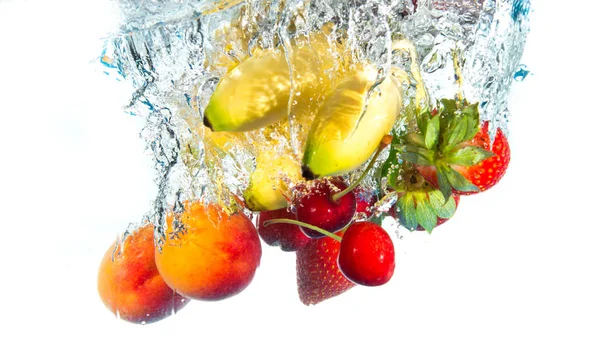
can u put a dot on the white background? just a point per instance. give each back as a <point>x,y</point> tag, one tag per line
<point>518,264</point>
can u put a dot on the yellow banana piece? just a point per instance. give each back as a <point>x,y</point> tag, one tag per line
<point>344,134</point>
<point>256,92</point>
<point>268,186</point>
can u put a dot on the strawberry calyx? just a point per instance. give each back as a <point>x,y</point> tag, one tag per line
<point>420,205</point>
<point>442,141</point>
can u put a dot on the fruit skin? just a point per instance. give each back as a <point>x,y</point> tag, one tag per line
<point>256,92</point>
<point>287,236</point>
<point>367,254</point>
<point>131,286</point>
<point>365,201</point>
<point>316,207</point>
<point>488,173</point>
<point>448,147</point>
<point>340,139</point>
<point>318,275</point>
<point>485,174</point>
<point>267,189</point>
<point>213,256</point>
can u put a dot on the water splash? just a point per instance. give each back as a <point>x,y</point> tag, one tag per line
<point>521,73</point>
<point>174,53</point>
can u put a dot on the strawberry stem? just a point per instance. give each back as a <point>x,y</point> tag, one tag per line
<point>299,223</point>
<point>385,141</point>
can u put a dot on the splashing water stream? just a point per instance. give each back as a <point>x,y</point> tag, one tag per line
<point>174,53</point>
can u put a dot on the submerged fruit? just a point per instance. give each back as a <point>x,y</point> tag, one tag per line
<point>344,133</point>
<point>288,236</point>
<point>488,172</point>
<point>367,254</point>
<point>208,254</point>
<point>318,275</point>
<point>365,202</point>
<point>316,207</point>
<point>268,189</point>
<point>420,205</point>
<point>256,93</point>
<point>129,283</point>
<point>451,149</point>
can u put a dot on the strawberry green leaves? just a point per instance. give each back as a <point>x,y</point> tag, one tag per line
<point>443,141</point>
<point>420,205</point>
<point>468,156</point>
<point>432,133</point>
<point>455,179</point>
<point>460,123</point>
<point>391,167</point>
<point>424,209</point>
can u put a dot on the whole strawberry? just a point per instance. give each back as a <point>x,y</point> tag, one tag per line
<point>318,275</point>
<point>452,151</point>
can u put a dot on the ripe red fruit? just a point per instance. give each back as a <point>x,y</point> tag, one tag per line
<point>129,283</point>
<point>287,236</point>
<point>316,207</point>
<point>452,151</point>
<point>318,275</point>
<point>365,201</point>
<point>367,254</point>
<point>487,173</point>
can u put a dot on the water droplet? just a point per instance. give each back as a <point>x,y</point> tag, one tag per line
<point>433,62</point>
<point>385,203</point>
<point>521,73</point>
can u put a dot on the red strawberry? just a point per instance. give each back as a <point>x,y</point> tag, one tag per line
<point>451,150</point>
<point>288,236</point>
<point>318,275</point>
<point>489,171</point>
<point>485,174</point>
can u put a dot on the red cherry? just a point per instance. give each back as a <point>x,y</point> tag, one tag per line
<point>365,201</point>
<point>288,236</point>
<point>367,254</point>
<point>316,207</point>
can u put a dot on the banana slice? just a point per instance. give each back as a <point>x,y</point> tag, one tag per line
<point>256,93</point>
<point>268,188</point>
<point>344,133</point>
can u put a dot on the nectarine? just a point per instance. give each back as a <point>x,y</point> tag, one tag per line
<point>129,283</point>
<point>209,255</point>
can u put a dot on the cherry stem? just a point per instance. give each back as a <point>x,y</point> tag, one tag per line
<point>385,141</point>
<point>299,223</point>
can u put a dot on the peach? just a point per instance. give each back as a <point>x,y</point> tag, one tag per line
<point>129,283</point>
<point>210,255</point>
